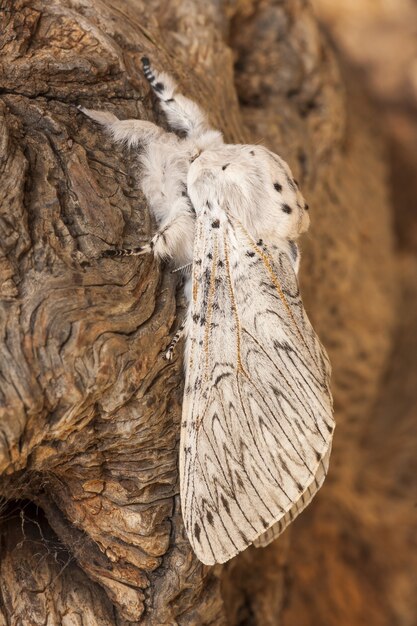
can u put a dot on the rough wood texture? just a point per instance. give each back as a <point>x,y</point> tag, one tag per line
<point>89,410</point>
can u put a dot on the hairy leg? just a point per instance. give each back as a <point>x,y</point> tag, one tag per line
<point>173,343</point>
<point>130,132</point>
<point>182,113</point>
<point>173,240</point>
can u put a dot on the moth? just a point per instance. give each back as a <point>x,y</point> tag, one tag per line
<point>257,420</point>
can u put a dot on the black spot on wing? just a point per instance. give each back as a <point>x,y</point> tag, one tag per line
<point>286,208</point>
<point>277,187</point>
<point>197,532</point>
<point>215,224</point>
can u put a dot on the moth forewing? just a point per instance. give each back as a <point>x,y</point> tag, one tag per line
<point>257,418</point>
<point>274,531</point>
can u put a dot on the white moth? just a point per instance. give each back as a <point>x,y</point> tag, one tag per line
<point>257,418</point>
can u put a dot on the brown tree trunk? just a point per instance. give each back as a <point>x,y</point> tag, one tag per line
<point>89,410</point>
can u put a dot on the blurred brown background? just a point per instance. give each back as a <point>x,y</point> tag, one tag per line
<point>379,39</point>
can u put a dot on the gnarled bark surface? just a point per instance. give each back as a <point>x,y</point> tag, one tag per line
<point>89,410</point>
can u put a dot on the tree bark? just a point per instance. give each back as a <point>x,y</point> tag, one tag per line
<point>89,410</point>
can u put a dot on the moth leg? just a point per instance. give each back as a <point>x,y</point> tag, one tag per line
<point>146,249</point>
<point>175,237</point>
<point>157,246</point>
<point>183,268</point>
<point>173,240</point>
<point>130,132</point>
<point>178,335</point>
<point>182,113</point>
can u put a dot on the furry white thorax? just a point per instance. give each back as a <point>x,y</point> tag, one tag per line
<point>241,179</point>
